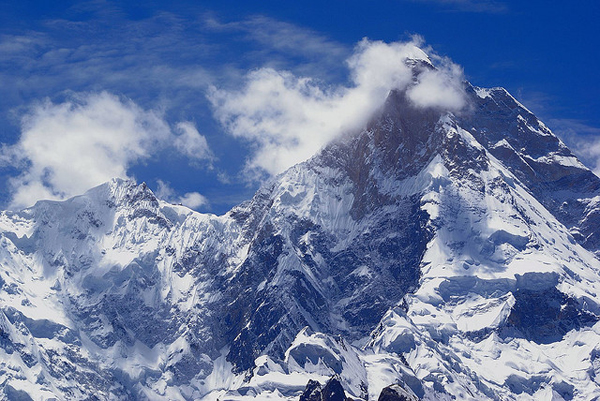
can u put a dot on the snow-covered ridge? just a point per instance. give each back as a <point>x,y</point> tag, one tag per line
<point>449,255</point>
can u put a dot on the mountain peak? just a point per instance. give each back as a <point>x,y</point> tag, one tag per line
<point>406,259</point>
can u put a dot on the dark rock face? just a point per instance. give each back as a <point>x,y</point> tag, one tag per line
<point>395,392</point>
<point>398,142</point>
<point>16,395</point>
<point>312,392</point>
<point>391,247</point>
<point>541,312</point>
<point>332,391</point>
<point>545,316</point>
<point>394,237</point>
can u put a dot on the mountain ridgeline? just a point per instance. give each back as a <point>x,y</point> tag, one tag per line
<point>430,255</point>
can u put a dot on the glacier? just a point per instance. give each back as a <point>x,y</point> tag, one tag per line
<point>434,255</point>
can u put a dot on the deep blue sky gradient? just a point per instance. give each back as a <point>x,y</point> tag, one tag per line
<point>545,53</point>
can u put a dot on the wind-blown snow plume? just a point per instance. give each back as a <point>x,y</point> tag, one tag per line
<point>66,148</point>
<point>288,118</point>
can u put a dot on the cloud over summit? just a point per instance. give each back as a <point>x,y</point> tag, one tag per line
<point>287,118</point>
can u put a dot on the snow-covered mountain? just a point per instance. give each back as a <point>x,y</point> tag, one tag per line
<point>432,255</point>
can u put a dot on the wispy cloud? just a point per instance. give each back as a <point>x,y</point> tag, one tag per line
<point>20,45</point>
<point>288,118</point>
<point>164,61</point>
<point>150,59</point>
<point>67,148</point>
<point>277,42</point>
<point>471,6</point>
<point>279,35</point>
<point>540,103</point>
<point>582,138</point>
<point>189,142</point>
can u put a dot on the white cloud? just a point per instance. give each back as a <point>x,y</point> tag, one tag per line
<point>164,191</point>
<point>67,148</point>
<point>193,200</point>
<point>190,143</point>
<point>288,118</point>
<point>439,88</point>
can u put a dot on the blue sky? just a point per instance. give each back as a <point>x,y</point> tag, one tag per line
<point>176,94</point>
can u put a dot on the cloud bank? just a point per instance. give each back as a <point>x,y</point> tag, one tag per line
<point>287,118</point>
<point>67,148</point>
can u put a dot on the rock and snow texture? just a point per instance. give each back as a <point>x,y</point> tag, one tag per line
<point>434,255</point>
